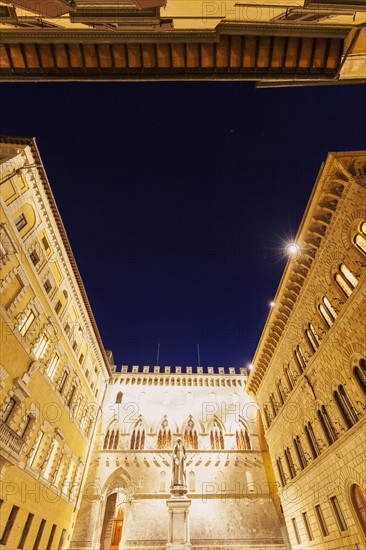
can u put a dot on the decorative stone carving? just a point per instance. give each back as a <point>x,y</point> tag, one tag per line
<point>178,465</point>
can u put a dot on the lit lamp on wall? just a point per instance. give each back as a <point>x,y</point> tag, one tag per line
<point>292,250</point>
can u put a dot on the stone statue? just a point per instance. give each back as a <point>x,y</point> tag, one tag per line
<point>178,458</point>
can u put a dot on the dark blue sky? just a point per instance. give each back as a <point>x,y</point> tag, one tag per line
<point>177,198</point>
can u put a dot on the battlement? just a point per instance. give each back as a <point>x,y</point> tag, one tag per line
<point>199,371</point>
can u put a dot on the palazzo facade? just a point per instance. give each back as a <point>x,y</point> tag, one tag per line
<point>53,366</point>
<point>309,370</point>
<point>228,475</point>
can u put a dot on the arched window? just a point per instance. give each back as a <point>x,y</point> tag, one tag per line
<point>281,391</point>
<point>281,472</point>
<point>71,395</point>
<point>360,238</point>
<point>62,380</point>
<point>327,311</point>
<point>290,463</point>
<point>27,423</point>
<point>290,376</point>
<point>106,440</point>
<point>358,498</point>
<point>138,437</point>
<point>190,438</point>
<point>216,437</point>
<point>312,440</point>
<point>164,436</point>
<point>267,415</point>
<point>346,407</point>
<point>327,425</point>
<point>242,438</point>
<point>313,337</point>
<point>300,358</point>
<point>10,409</point>
<point>116,439</point>
<point>360,373</point>
<point>300,452</point>
<point>111,440</point>
<point>275,406</point>
<point>119,398</point>
<point>346,279</point>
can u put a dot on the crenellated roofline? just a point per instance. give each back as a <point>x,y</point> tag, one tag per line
<point>178,370</point>
<point>151,376</point>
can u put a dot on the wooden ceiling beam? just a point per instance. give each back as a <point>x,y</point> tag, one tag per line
<point>236,55</point>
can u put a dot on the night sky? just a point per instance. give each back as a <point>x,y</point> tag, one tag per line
<point>177,199</point>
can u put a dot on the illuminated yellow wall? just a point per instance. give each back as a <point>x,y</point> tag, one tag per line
<point>47,417</point>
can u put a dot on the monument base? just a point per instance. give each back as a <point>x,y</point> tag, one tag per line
<point>178,507</point>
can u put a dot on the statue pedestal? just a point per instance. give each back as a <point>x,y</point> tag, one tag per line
<point>178,506</point>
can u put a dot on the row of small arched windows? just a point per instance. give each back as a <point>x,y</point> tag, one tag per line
<point>138,439</point>
<point>190,439</point>
<point>359,239</point>
<point>316,445</point>
<point>111,439</point>
<point>347,281</point>
<point>276,401</point>
<point>164,439</point>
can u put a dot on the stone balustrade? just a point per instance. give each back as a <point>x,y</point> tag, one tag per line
<point>9,439</point>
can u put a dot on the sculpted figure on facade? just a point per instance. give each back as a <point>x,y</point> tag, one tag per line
<point>178,466</point>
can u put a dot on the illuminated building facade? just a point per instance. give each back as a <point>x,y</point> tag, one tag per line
<point>53,366</point>
<point>229,477</point>
<point>266,41</point>
<point>86,451</point>
<point>68,420</point>
<point>309,370</point>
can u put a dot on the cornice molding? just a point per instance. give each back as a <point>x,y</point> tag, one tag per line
<point>280,29</point>
<point>31,143</point>
<point>104,37</point>
<point>89,36</point>
<point>322,208</point>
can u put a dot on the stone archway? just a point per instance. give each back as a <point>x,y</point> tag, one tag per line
<point>358,499</point>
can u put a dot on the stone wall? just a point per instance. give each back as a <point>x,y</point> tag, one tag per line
<point>338,202</point>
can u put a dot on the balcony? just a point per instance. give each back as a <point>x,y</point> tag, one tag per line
<point>9,440</point>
